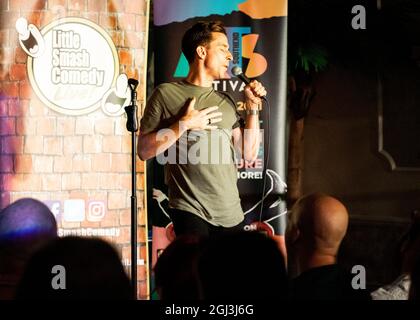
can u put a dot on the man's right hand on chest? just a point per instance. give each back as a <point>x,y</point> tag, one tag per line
<point>199,119</point>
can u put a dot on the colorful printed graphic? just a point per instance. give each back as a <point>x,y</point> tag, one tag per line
<point>242,44</point>
<point>168,11</point>
<point>256,32</point>
<point>257,9</point>
<point>242,41</point>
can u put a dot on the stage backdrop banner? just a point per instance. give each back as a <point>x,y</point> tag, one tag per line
<point>257,35</point>
<point>64,68</point>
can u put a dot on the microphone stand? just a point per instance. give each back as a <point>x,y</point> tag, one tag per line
<point>132,126</point>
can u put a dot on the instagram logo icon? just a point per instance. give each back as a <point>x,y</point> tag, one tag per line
<point>96,211</point>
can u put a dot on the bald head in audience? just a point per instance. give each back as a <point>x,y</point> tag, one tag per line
<point>317,225</point>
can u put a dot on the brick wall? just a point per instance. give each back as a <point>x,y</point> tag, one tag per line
<point>55,157</point>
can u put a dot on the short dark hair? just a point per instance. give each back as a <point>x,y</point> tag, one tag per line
<point>93,267</point>
<point>199,34</point>
<point>222,271</point>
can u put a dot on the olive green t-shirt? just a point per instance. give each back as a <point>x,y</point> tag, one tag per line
<point>199,169</point>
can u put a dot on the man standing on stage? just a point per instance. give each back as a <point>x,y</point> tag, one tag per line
<point>203,193</point>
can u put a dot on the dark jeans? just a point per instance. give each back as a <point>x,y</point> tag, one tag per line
<point>187,223</point>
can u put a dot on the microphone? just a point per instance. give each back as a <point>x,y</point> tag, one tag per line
<point>133,83</point>
<point>131,109</point>
<point>237,72</point>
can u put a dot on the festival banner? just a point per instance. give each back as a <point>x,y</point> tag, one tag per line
<point>257,35</point>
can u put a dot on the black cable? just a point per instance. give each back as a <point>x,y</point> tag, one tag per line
<point>266,158</point>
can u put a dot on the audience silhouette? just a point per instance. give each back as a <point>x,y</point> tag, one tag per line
<point>25,226</point>
<point>242,266</point>
<point>176,276</point>
<point>92,271</point>
<point>409,252</point>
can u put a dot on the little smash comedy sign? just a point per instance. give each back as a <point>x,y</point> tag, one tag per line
<point>79,64</point>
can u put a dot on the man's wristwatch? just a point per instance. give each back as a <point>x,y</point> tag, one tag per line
<point>252,112</point>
